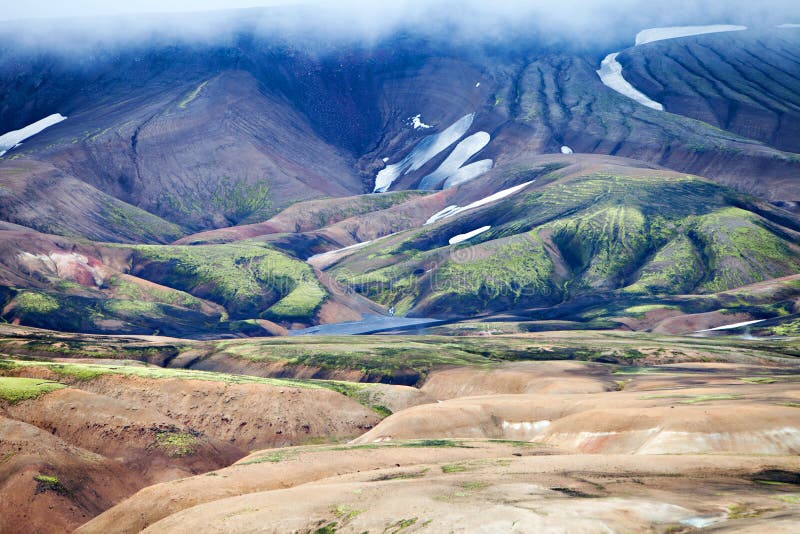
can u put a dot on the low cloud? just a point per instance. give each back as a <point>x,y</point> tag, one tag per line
<point>570,22</point>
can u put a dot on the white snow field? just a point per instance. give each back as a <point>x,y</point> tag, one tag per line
<point>730,326</point>
<point>651,35</point>
<point>611,75</point>
<point>338,252</point>
<point>449,211</point>
<point>15,137</point>
<point>567,150</point>
<point>611,70</point>
<point>460,154</point>
<point>422,153</point>
<point>469,235</point>
<point>468,173</point>
<point>417,123</point>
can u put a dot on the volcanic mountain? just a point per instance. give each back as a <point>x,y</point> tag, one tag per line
<point>247,184</point>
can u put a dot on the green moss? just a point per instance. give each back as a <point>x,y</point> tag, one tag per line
<point>176,444</point>
<point>13,389</point>
<point>504,273</point>
<point>401,525</point>
<point>708,398</point>
<point>35,302</point>
<point>676,268</point>
<point>453,468</point>
<point>741,249</point>
<point>49,483</point>
<point>86,371</point>
<point>651,234</point>
<point>603,244</point>
<point>758,379</point>
<point>131,308</point>
<point>791,328</point>
<point>126,289</point>
<point>744,511</point>
<point>345,512</point>
<point>127,220</point>
<point>474,485</point>
<point>641,310</point>
<point>246,278</point>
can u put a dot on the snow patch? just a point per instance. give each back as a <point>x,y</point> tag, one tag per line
<point>13,138</point>
<point>428,148</point>
<point>468,173</point>
<point>534,426</point>
<point>449,211</point>
<point>469,235</point>
<point>651,35</point>
<point>788,26</point>
<point>732,326</point>
<point>702,521</point>
<point>611,75</point>
<point>416,122</point>
<point>326,258</point>
<point>567,150</point>
<point>385,160</point>
<point>460,154</point>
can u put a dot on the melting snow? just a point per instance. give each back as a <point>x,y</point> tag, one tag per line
<point>611,75</point>
<point>417,123</point>
<point>660,34</point>
<point>702,521</point>
<point>428,148</point>
<point>13,138</point>
<point>460,154</point>
<point>469,235</point>
<point>730,326</point>
<point>449,211</point>
<point>468,172</point>
<point>567,150</point>
<point>535,426</point>
<point>338,250</point>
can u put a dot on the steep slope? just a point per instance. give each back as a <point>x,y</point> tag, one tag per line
<point>170,139</point>
<point>588,229</point>
<point>745,82</point>
<point>79,438</point>
<point>55,282</point>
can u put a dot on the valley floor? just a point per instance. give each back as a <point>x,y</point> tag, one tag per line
<point>557,432</point>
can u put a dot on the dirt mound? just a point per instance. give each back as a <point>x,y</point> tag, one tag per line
<point>49,485</point>
<point>688,430</point>
<point>277,469</point>
<point>730,418</point>
<point>507,494</point>
<point>108,434</point>
<point>686,324</point>
<point>519,378</point>
<point>243,416</point>
<point>249,416</point>
<point>142,439</point>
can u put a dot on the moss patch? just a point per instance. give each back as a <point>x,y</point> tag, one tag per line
<point>13,389</point>
<point>176,444</point>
